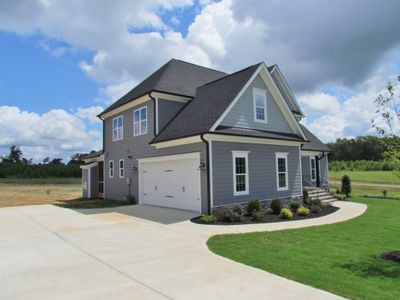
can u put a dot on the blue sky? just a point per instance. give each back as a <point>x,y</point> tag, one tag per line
<point>62,63</point>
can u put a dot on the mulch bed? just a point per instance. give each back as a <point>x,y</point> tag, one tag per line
<point>392,255</point>
<point>269,218</point>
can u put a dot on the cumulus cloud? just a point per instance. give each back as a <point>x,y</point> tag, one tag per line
<point>90,113</point>
<point>54,133</point>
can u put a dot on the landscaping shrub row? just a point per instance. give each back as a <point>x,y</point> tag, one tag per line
<point>361,165</point>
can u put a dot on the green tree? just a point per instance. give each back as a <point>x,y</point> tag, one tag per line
<point>388,111</point>
<point>346,185</point>
<point>15,154</point>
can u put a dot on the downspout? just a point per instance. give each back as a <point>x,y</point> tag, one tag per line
<point>317,159</point>
<point>208,174</point>
<point>155,111</point>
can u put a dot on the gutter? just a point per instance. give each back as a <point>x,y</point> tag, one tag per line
<point>155,105</point>
<point>208,174</point>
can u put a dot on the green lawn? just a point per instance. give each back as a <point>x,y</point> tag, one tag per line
<point>367,176</point>
<point>41,180</point>
<point>370,191</point>
<point>341,258</point>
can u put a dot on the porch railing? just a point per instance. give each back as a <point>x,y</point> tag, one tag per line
<point>309,183</point>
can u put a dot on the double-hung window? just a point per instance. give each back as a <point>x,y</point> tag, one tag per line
<point>140,121</point>
<point>313,169</point>
<point>281,171</point>
<point>260,105</point>
<point>240,173</point>
<point>121,168</point>
<point>111,169</point>
<point>118,128</point>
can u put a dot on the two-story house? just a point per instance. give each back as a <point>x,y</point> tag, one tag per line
<point>193,138</point>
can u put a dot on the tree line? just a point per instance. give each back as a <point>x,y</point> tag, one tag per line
<point>16,165</point>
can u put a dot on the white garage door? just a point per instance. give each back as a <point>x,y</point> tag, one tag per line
<point>172,182</point>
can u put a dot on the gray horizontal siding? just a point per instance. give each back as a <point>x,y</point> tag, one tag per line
<point>85,182</point>
<point>138,146</point>
<point>262,172</point>
<point>242,114</point>
<point>167,110</point>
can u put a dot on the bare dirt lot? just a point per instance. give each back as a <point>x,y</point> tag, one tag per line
<point>12,194</point>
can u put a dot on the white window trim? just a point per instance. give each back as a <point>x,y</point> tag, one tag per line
<point>109,169</point>
<point>257,91</point>
<point>311,168</point>
<point>285,156</point>
<point>123,168</point>
<point>122,129</point>
<point>140,125</point>
<point>244,154</point>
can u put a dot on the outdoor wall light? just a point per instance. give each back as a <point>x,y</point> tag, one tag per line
<point>203,165</point>
<point>134,168</point>
<point>130,156</point>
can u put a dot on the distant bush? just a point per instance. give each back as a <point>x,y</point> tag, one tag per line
<point>276,206</point>
<point>253,205</point>
<point>286,213</point>
<point>21,170</point>
<point>361,165</point>
<point>346,185</point>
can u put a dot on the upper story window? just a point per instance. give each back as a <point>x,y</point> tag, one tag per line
<point>111,169</point>
<point>118,128</point>
<point>260,105</point>
<point>240,173</point>
<point>281,171</point>
<point>140,121</point>
<point>121,168</point>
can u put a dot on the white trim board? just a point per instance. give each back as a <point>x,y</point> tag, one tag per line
<point>130,104</point>
<point>91,165</point>
<point>243,154</point>
<point>169,157</point>
<point>310,153</point>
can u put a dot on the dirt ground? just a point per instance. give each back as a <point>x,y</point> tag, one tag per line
<point>26,194</point>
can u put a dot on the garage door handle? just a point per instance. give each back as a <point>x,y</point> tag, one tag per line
<point>156,188</point>
<point>168,196</point>
<point>183,189</point>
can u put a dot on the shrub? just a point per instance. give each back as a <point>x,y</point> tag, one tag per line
<point>294,204</point>
<point>286,213</point>
<point>315,208</point>
<point>316,202</point>
<point>346,185</point>
<point>305,196</point>
<point>276,206</point>
<point>230,215</point>
<point>326,204</point>
<point>337,191</point>
<point>254,204</point>
<point>257,215</point>
<point>238,209</point>
<point>303,211</point>
<point>208,219</point>
<point>384,193</point>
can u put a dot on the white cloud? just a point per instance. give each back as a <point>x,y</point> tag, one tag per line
<point>90,113</point>
<point>319,103</point>
<point>55,133</point>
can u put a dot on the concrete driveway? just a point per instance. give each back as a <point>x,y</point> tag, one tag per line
<point>133,252</point>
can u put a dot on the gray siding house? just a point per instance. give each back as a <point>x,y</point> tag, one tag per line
<point>193,138</point>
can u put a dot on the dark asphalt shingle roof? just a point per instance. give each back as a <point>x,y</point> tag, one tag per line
<point>91,155</point>
<point>210,101</point>
<point>175,77</point>
<point>314,144</point>
<point>258,133</point>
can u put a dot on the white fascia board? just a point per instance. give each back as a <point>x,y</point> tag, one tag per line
<point>178,142</point>
<point>249,140</point>
<point>130,104</point>
<point>85,167</point>
<point>94,159</point>
<point>310,153</point>
<point>170,97</point>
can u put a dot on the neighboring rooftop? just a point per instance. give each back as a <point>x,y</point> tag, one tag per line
<point>92,154</point>
<point>175,77</point>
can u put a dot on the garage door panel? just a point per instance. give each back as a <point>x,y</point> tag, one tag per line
<point>173,184</point>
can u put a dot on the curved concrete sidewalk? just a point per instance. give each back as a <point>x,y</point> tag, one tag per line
<point>48,252</point>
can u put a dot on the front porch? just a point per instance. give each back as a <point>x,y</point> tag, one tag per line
<point>93,175</point>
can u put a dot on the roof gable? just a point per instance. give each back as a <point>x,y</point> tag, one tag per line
<point>210,102</point>
<point>175,77</point>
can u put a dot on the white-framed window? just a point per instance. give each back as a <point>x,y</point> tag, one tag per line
<point>313,169</point>
<point>111,169</point>
<point>282,181</point>
<point>260,105</point>
<point>121,168</point>
<point>118,128</point>
<point>140,121</point>
<point>240,172</point>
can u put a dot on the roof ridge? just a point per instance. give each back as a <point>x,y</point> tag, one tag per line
<point>229,75</point>
<point>200,66</point>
